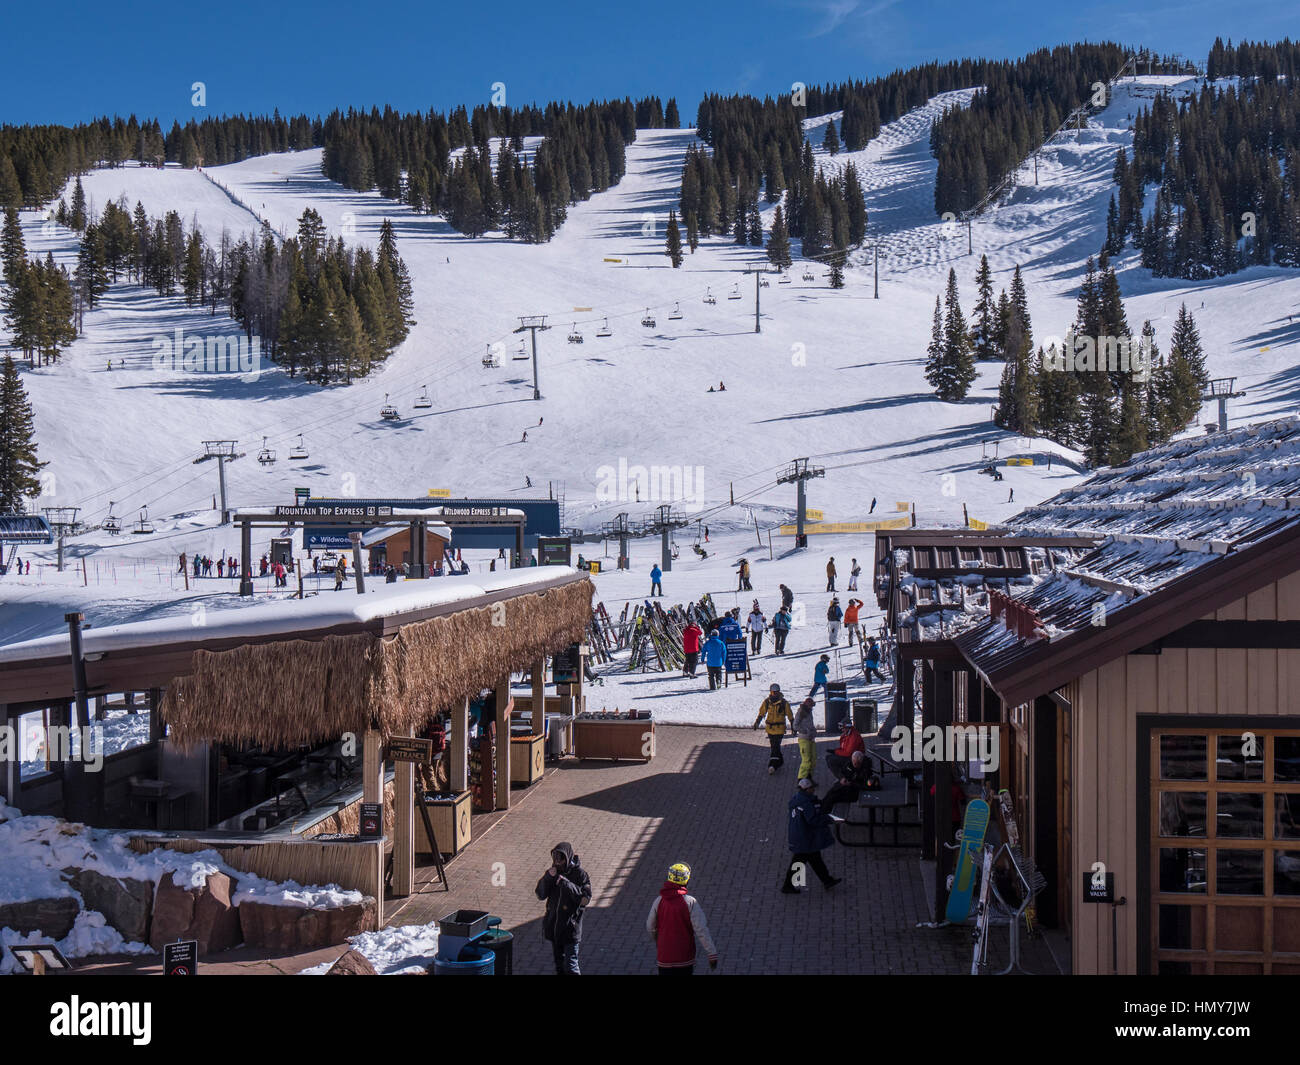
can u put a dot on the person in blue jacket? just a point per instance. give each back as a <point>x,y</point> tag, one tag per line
<point>730,628</point>
<point>656,575</point>
<point>715,657</point>
<point>821,674</point>
<point>808,834</point>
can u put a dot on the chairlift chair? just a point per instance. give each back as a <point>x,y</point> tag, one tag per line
<point>521,355</point>
<point>808,275</point>
<point>648,321</point>
<point>764,283</point>
<point>575,337</point>
<point>784,279</point>
<point>424,401</point>
<point>266,456</point>
<point>604,330</point>
<point>299,450</point>
<point>112,524</point>
<point>388,412</point>
<point>143,527</point>
<point>491,361</point>
<point>735,293</point>
<point>677,313</point>
<point>709,298</point>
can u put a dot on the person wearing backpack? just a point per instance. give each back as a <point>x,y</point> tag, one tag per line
<point>833,616</point>
<point>781,629</point>
<point>872,662</point>
<point>774,713</point>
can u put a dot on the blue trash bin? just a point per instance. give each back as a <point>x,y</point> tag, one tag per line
<point>472,962</point>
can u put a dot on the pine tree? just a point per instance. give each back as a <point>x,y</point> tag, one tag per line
<point>13,250</point>
<point>954,371</point>
<point>1131,433</point>
<point>18,463</point>
<point>831,140</point>
<point>983,333</point>
<point>672,119</point>
<point>837,268</point>
<point>1187,376</point>
<point>935,371</point>
<point>674,244</point>
<point>77,215</point>
<point>692,231</point>
<point>778,242</point>
<point>11,192</point>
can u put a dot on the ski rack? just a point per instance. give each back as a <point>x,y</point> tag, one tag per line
<point>1003,912</point>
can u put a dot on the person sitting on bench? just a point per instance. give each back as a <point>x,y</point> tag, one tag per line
<point>856,776</point>
<point>850,740</point>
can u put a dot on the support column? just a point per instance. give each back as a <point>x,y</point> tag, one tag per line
<point>538,724</point>
<point>157,730</point>
<point>458,780</point>
<point>943,826</point>
<point>519,544</point>
<point>974,696</point>
<point>404,830</point>
<point>372,766</point>
<point>246,559</point>
<point>503,743</point>
<point>928,801</point>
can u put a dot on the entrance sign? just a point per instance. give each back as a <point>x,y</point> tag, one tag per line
<point>410,749</point>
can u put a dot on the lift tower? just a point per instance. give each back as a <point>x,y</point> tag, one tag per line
<point>799,472</point>
<point>222,451</point>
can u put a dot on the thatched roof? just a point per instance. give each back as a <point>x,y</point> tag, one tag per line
<point>311,691</point>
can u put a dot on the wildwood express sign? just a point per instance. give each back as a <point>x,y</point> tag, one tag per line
<point>475,512</point>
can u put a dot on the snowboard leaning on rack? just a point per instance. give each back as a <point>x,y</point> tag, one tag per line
<point>973,829</point>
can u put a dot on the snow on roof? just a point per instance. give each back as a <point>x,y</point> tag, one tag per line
<point>230,616</point>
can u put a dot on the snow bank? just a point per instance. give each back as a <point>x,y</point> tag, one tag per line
<point>392,951</point>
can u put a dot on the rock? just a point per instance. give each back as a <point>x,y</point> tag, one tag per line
<point>295,930</point>
<point>352,963</point>
<point>205,914</point>
<point>126,904</point>
<point>51,917</point>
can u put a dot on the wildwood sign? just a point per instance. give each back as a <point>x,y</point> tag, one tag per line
<point>410,749</point>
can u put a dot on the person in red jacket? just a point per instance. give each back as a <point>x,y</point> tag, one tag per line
<point>850,741</point>
<point>691,648</point>
<point>675,922</point>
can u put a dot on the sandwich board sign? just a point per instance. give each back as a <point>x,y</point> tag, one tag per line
<point>737,660</point>
<point>181,958</point>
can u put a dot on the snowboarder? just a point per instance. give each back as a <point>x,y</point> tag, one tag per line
<point>715,657</point>
<point>873,505</point>
<point>773,714</point>
<point>833,616</point>
<point>853,575</point>
<point>821,674</point>
<point>830,574</point>
<point>780,629</point>
<point>757,625</point>
<point>525,439</point>
<point>528,482</point>
<point>675,922</point>
<point>691,637</point>
<point>656,576</point>
<point>566,889</point>
<point>808,834</point>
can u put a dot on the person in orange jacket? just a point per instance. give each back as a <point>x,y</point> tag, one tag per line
<point>851,619</point>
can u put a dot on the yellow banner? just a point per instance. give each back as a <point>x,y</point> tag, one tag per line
<point>847,526</point>
<point>440,493</point>
<point>1020,462</point>
<point>609,260</point>
<point>975,523</point>
<point>902,506</point>
<point>815,515</point>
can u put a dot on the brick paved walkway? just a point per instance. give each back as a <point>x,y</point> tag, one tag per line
<point>705,799</point>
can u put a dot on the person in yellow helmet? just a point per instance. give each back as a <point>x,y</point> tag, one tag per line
<point>676,921</point>
<point>775,711</point>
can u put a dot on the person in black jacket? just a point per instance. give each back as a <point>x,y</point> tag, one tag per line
<point>566,888</point>
<point>854,778</point>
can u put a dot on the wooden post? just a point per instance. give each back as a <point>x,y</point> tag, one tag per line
<point>503,743</point>
<point>928,801</point>
<point>459,753</point>
<point>942,686</point>
<point>575,689</point>
<point>539,697</point>
<point>372,766</point>
<point>404,831</point>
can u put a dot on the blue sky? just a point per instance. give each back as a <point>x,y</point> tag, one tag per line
<point>79,60</point>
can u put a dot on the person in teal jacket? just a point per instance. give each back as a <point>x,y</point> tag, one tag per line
<point>821,674</point>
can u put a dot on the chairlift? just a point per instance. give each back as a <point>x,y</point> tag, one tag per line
<point>266,456</point>
<point>112,524</point>
<point>648,321</point>
<point>677,313</point>
<point>575,337</point>
<point>735,293</point>
<point>299,450</point>
<point>763,282</point>
<point>784,279</point>
<point>388,412</point>
<point>808,275</point>
<point>491,361</point>
<point>709,298</point>
<point>143,527</point>
<point>423,401</point>
<point>521,355</point>
<point>604,330</point>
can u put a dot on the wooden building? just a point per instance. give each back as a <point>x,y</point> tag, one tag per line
<point>1148,696</point>
<point>391,545</point>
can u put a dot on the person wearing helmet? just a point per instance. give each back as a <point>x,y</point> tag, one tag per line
<point>566,889</point>
<point>676,921</point>
<point>774,713</point>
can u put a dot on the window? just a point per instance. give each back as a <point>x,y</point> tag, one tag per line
<point>1225,851</point>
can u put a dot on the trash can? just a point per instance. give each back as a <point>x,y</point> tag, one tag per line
<point>501,944</point>
<point>472,962</point>
<point>864,715</point>
<point>837,705</point>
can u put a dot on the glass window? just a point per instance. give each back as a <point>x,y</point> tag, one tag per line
<point>1234,763</point>
<point>1240,873</point>
<point>1286,758</point>
<point>1182,927</point>
<point>1286,821</point>
<point>1286,872</point>
<point>1182,813</point>
<point>1183,757</point>
<point>1240,815</point>
<point>1182,871</point>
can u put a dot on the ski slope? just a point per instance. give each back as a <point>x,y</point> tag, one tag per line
<point>834,375</point>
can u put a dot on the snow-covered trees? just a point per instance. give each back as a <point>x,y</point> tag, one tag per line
<point>950,359</point>
<point>18,462</point>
